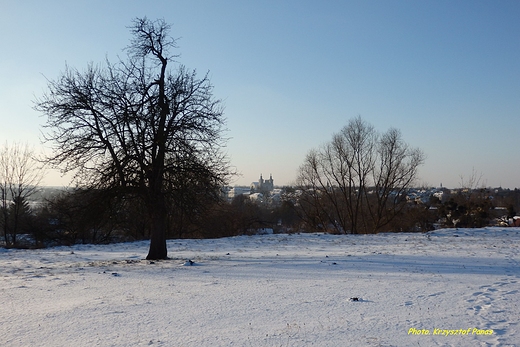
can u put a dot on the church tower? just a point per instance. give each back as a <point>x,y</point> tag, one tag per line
<point>263,185</point>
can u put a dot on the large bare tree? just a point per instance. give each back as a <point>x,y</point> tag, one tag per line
<point>138,126</point>
<point>358,181</point>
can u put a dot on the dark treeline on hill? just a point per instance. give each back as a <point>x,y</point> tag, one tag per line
<point>95,216</point>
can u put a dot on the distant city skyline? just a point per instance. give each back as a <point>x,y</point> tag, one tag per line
<point>292,73</point>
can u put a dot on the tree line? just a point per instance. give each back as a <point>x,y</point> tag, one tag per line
<point>81,215</point>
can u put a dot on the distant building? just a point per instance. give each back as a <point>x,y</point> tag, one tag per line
<point>236,191</point>
<point>263,185</point>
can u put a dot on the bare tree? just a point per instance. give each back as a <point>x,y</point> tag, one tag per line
<point>20,176</point>
<point>137,127</point>
<point>358,181</point>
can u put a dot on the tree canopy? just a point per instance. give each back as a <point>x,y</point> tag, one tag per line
<point>358,181</point>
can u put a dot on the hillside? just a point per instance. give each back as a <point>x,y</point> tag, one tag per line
<point>275,290</point>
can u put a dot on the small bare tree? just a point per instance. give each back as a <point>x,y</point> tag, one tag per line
<point>358,181</point>
<point>20,175</point>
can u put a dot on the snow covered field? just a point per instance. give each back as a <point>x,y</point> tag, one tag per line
<point>271,290</point>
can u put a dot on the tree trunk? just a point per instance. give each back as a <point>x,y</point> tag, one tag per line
<point>157,239</point>
<point>157,202</point>
<point>158,249</point>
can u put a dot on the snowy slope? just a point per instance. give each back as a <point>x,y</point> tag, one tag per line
<point>271,290</point>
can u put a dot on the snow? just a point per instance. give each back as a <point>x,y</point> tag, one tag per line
<point>269,290</point>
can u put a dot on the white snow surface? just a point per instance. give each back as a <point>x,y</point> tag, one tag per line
<point>269,290</point>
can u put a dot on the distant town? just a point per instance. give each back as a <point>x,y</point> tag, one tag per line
<point>503,203</point>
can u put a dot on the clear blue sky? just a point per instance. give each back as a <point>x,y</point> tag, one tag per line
<point>291,73</point>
